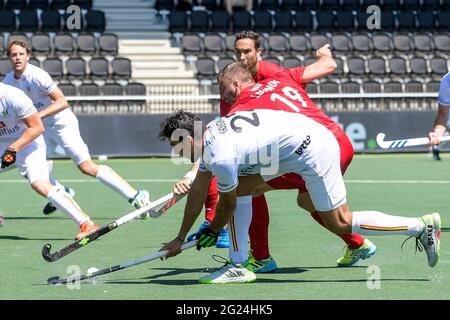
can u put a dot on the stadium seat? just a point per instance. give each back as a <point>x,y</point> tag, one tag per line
<point>430,5</point>
<point>278,43</point>
<point>213,44</point>
<point>38,4</point>
<point>368,3</point>
<point>350,87</point>
<point>299,44</point>
<point>406,21</point>
<point>112,89</point>
<point>356,66</point>
<point>108,43</point>
<point>340,42</point>
<point>376,66</point>
<point>121,68</point>
<point>303,21</point>
<point>318,41</point>
<point>178,21</point>
<point>98,68</point>
<point>432,86</point>
<point>54,67</point>
<point>397,66</point>
<point>5,67</point>
<point>220,21</point>
<point>89,89</point>
<point>83,4</point>
<point>223,62</point>
<point>393,87</point>
<point>414,86</point>
<point>362,18</point>
<point>382,42</point>
<point>60,4</point>
<point>309,60</point>
<point>135,89</point>
<point>50,21</point>
<point>327,86</point>
<point>423,43</point>
<point>199,21</point>
<point>76,68</point>
<point>283,21</point>
<point>438,66</point>
<point>273,60</point>
<point>164,5</point>
<point>402,42</point>
<point>349,5</point>
<point>64,43</point>
<point>442,42</point>
<point>206,67</point>
<point>443,21</point>
<point>445,6</point>
<point>16,5</point>
<point>409,5</point>
<point>268,5</point>
<point>425,20</point>
<point>291,62</point>
<point>308,5</point>
<point>41,43</point>
<point>95,21</point>
<point>28,21</point>
<point>289,5</point>
<point>34,62</point>
<point>86,44</point>
<point>210,5</point>
<point>312,88</point>
<point>387,21</point>
<point>361,42</point>
<point>241,21</point>
<point>389,5</point>
<point>229,44</point>
<point>192,44</point>
<point>330,5</point>
<point>339,71</point>
<point>418,66</point>
<point>345,21</point>
<point>371,86</point>
<point>325,21</point>
<point>7,20</point>
<point>262,21</point>
<point>68,89</point>
<point>17,36</point>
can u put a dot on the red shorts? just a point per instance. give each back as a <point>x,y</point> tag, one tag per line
<point>295,181</point>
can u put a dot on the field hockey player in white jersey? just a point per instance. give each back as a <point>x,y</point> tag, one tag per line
<point>22,144</point>
<point>61,124</point>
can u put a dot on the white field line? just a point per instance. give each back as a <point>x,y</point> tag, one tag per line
<point>175,180</point>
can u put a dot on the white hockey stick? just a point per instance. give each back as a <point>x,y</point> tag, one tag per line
<point>403,143</point>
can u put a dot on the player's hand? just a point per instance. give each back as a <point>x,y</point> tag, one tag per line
<point>206,238</point>
<point>183,186</point>
<point>324,52</point>
<point>8,158</point>
<point>174,248</point>
<point>435,137</point>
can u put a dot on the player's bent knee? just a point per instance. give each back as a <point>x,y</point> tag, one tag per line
<point>304,201</point>
<point>41,187</point>
<point>89,168</point>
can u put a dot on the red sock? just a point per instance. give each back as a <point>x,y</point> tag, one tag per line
<point>353,240</point>
<point>259,228</point>
<point>211,200</point>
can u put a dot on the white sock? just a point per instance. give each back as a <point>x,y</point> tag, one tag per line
<point>111,179</point>
<point>52,180</point>
<point>375,223</point>
<point>238,230</point>
<point>61,200</point>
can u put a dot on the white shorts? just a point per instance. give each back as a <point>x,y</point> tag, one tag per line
<point>69,138</point>
<point>32,161</point>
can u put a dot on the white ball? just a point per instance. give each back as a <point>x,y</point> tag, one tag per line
<point>102,157</point>
<point>91,270</point>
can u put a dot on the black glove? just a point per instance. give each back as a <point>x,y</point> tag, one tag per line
<point>206,238</point>
<point>8,158</point>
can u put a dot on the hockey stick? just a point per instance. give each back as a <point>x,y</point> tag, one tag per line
<point>403,143</point>
<point>155,208</point>
<point>153,256</point>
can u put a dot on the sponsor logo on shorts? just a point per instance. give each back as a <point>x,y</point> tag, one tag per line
<point>303,146</point>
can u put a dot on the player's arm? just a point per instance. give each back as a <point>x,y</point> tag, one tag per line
<point>183,186</point>
<point>439,125</point>
<point>194,205</point>
<point>35,128</point>
<point>59,103</point>
<point>324,65</point>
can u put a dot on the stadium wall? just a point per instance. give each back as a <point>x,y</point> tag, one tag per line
<point>136,135</point>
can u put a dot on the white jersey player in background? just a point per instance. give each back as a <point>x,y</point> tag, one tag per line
<point>61,124</point>
<point>247,148</point>
<point>442,121</point>
<point>22,144</point>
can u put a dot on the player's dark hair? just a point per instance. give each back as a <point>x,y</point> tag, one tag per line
<point>247,34</point>
<point>23,43</point>
<point>179,120</point>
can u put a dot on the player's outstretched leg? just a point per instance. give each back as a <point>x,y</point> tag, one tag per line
<point>50,208</point>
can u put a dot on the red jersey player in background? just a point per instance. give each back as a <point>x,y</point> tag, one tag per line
<point>248,51</point>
